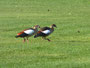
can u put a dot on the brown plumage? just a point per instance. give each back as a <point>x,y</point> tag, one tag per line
<point>25,34</point>
<point>45,31</point>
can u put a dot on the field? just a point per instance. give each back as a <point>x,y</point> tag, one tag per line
<point>70,42</point>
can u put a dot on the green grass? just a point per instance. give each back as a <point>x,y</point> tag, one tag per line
<point>68,48</point>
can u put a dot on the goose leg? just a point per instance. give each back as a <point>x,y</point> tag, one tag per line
<point>46,39</point>
<point>27,39</point>
<point>43,38</point>
<point>24,40</point>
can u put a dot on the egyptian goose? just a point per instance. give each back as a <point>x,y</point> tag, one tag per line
<point>25,34</point>
<point>45,31</point>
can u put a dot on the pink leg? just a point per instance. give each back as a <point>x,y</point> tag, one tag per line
<point>49,40</point>
<point>27,39</point>
<point>43,38</point>
<point>24,40</point>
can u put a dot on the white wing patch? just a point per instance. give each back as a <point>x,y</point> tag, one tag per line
<point>29,31</point>
<point>46,31</point>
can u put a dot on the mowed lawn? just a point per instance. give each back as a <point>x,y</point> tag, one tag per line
<point>70,42</point>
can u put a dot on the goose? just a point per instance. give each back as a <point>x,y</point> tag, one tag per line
<point>45,31</point>
<point>25,34</point>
